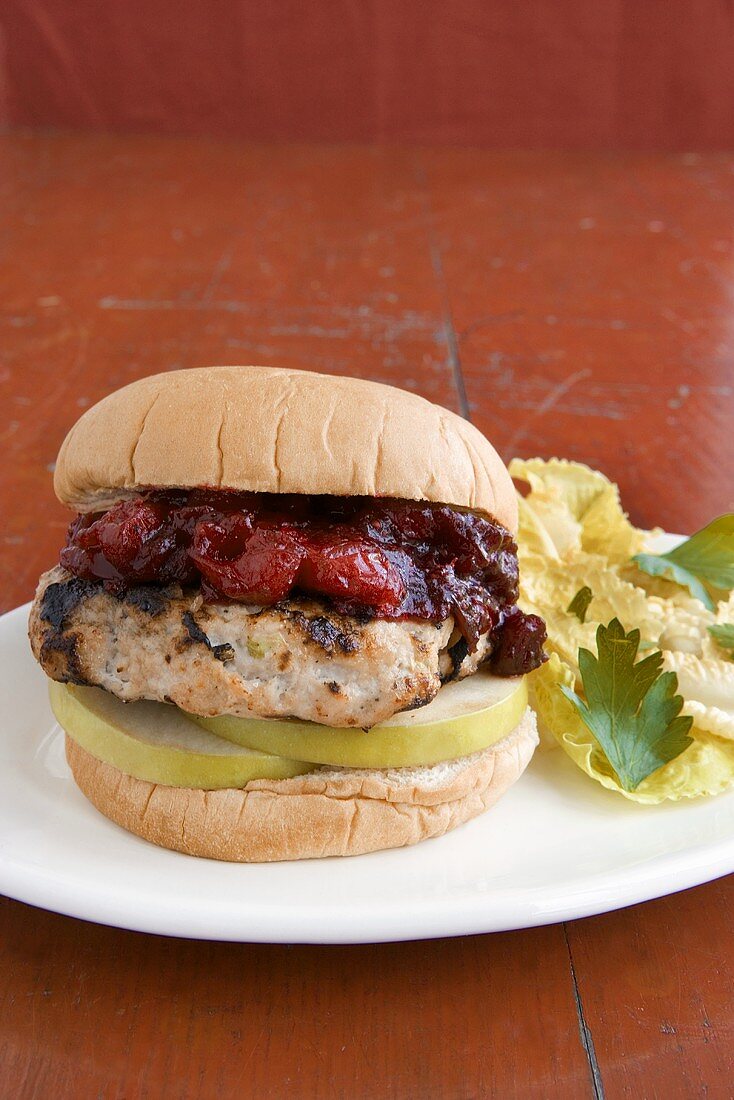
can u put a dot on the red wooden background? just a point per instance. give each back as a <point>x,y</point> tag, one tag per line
<point>569,74</point>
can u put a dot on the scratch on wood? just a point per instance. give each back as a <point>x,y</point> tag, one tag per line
<point>511,316</point>
<point>222,265</point>
<point>545,406</point>
<point>361,320</point>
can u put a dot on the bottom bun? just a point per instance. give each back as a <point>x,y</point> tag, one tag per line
<point>327,812</point>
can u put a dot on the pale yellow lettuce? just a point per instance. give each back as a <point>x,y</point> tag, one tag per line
<point>574,532</point>
<point>705,768</point>
<point>546,700</point>
<point>707,686</point>
<point>576,507</point>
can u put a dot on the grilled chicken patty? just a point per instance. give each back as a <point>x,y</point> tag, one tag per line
<point>297,659</point>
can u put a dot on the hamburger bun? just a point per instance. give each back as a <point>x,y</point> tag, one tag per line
<point>327,812</point>
<point>261,429</point>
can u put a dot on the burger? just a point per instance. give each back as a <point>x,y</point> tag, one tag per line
<point>284,623</point>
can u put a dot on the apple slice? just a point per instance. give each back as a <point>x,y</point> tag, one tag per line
<point>463,718</point>
<point>157,742</point>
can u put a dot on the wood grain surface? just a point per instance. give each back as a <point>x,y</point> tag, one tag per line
<point>570,304</point>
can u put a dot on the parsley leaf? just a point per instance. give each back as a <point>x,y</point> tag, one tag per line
<point>706,556</point>
<point>631,709</point>
<point>579,605</point>
<point>723,634</point>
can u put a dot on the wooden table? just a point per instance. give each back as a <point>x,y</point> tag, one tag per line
<point>578,305</point>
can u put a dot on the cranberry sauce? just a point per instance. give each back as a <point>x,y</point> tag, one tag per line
<point>391,559</point>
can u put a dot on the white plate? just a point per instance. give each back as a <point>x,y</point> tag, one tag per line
<point>557,846</point>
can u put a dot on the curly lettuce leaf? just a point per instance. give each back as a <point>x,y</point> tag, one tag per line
<point>572,507</point>
<point>574,534</point>
<point>707,686</point>
<point>705,768</point>
<point>547,586</point>
<point>550,706</point>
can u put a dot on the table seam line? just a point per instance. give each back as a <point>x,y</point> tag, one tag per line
<point>447,320</point>
<point>587,1039</point>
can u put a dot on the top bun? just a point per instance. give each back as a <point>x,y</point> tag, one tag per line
<point>260,429</point>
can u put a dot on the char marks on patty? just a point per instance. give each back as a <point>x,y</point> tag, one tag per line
<point>59,656</point>
<point>223,652</point>
<point>326,634</point>
<point>60,599</point>
<point>297,659</point>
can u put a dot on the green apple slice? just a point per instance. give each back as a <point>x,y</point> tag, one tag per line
<point>157,742</point>
<point>463,718</point>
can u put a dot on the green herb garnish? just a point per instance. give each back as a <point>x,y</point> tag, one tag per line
<point>579,605</point>
<point>631,709</point>
<point>723,635</point>
<point>707,556</point>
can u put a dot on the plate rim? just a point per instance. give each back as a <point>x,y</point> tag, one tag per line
<point>385,925</point>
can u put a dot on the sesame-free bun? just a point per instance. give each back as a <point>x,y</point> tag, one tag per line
<point>261,429</point>
<point>327,812</point>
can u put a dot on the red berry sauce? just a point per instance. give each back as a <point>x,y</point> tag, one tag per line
<point>387,559</point>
